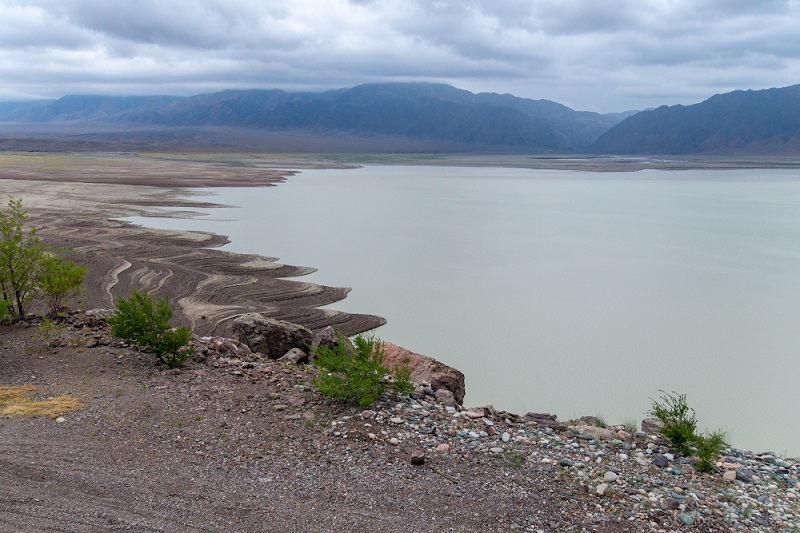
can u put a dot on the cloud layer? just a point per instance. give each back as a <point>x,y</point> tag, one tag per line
<point>628,54</point>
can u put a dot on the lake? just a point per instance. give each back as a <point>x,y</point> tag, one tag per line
<point>575,293</point>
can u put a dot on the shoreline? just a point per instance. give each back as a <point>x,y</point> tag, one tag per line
<point>210,287</point>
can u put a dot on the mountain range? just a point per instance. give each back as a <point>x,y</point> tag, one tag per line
<point>417,117</point>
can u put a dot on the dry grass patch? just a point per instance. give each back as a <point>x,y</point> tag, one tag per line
<point>17,401</point>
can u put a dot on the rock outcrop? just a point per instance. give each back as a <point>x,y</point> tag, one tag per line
<point>271,337</point>
<point>426,370</point>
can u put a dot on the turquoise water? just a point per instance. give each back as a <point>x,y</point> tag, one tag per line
<point>567,292</point>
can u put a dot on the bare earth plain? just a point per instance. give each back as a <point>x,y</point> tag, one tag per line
<point>246,444</point>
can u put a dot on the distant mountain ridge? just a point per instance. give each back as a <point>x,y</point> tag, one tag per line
<point>435,115</point>
<point>740,122</point>
<point>419,117</point>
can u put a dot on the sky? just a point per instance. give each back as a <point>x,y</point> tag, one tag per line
<point>592,55</point>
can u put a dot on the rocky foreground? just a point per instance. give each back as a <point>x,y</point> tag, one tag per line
<point>238,441</point>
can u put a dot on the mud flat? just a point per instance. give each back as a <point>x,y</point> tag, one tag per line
<point>73,200</point>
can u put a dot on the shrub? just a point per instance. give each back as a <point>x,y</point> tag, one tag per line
<point>679,420</point>
<point>680,428</point>
<point>146,322</point>
<point>59,280</point>
<point>5,307</point>
<point>356,374</point>
<point>709,447</point>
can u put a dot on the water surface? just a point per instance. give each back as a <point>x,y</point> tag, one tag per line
<point>559,291</point>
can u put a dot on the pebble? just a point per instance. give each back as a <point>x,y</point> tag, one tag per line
<point>759,493</point>
<point>61,419</point>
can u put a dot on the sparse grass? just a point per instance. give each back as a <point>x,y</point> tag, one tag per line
<point>17,401</point>
<point>630,425</point>
<point>513,459</point>
<point>601,421</point>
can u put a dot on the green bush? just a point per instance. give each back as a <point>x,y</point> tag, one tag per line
<point>680,426</point>
<point>59,280</point>
<point>356,374</point>
<point>709,447</point>
<point>679,420</point>
<point>146,322</point>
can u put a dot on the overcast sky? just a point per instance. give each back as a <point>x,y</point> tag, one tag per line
<point>592,55</point>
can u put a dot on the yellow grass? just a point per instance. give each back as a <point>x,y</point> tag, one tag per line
<point>17,401</point>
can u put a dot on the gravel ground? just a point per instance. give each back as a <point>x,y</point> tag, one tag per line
<point>247,444</point>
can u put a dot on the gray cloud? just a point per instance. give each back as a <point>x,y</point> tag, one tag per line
<point>586,54</point>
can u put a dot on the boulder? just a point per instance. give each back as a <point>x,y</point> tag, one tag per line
<point>425,369</point>
<point>296,356</point>
<point>598,433</point>
<point>328,337</point>
<point>652,425</point>
<point>544,420</point>
<point>446,398</point>
<point>269,336</point>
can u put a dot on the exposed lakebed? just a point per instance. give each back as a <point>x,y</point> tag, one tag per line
<point>563,291</point>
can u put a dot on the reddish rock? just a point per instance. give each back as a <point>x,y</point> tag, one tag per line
<point>425,369</point>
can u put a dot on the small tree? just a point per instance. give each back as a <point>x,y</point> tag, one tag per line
<point>59,280</point>
<point>19,257</point>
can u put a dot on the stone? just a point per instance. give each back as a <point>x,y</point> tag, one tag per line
<point>610,477</point>
<point>545,420</point>
<point>446,398</point>
<point>729,475</point>
<point>565,462</point>
<point>366,415</point>
<point>328,337</point>
<point>685,519</point>
<point>496,449</point>
<point>417,456</point>
<point>473,414</point>
<point>394,441</point>
<point>295,356</point>
<point>741,475</point>
<point>425,369</point>
<point>597,433</point>
<point>444,447</point>
<point>271,337</point>
<point>396,420</point>
<point>660,461</point>
<point>506,436</point>
<point>601,489</point>
<point>652,425</point>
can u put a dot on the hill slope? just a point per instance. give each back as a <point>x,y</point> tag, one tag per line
<point>439,117</point>
<point>740,122</point>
